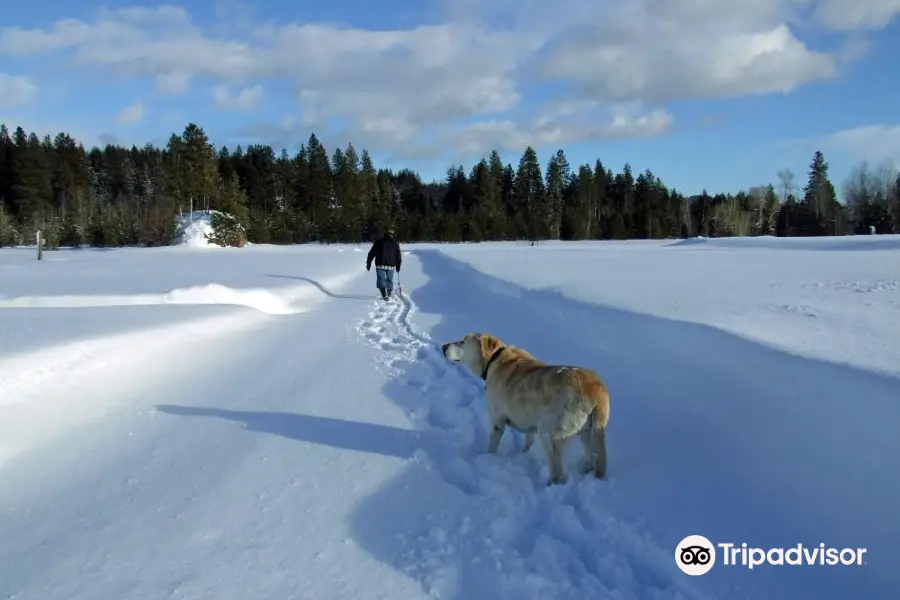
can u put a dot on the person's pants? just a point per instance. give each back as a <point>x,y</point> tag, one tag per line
<point>384,278</point>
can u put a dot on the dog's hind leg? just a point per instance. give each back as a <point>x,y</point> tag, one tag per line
<point>555,449</point>
<point>593,439</point>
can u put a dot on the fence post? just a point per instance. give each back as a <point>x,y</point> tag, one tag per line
<point>40,245</point>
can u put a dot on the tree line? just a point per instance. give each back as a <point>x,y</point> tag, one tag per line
<point>117,196</point>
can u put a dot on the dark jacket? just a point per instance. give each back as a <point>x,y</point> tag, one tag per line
<point>385,252</point>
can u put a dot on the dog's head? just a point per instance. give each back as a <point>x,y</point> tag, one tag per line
<point>474,350</point>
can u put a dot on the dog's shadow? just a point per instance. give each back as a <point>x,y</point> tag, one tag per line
<point>357,436</point>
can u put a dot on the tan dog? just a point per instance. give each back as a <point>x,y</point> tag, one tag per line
<point>554,402</point>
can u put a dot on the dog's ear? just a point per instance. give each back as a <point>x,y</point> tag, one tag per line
<point>488,343</point>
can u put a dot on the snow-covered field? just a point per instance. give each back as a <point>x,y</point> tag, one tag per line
<point>182,423</point>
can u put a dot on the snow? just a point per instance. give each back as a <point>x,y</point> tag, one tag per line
<point>193,229</point>
<point>255,424</point>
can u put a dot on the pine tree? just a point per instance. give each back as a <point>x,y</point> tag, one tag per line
<point>819,208</point>
<point>123,196</point>
<point>319,200</point>
<point>529,196</point>
<point>9,235</point>
<point>602,207</point>
<point>557,181</point>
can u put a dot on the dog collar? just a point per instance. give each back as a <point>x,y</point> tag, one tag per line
<point>491,361</point>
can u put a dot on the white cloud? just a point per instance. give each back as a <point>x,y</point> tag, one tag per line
<point>400,90</point>
<point>133,113</point>
<point>16,91</point>
<point>173,82</point>
<point>555,131</point>
<point>875,143</point>
<point>662,50</point>
<point>847,15</point>
<point>245,99</point>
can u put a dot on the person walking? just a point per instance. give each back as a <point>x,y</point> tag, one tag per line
<point>385,252</point>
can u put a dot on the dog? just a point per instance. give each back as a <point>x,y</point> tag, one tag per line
<point>554,402</point>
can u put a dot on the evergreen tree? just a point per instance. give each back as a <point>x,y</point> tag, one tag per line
<point>114,196</point>
<point>558,180</point>
<point>820,211</point>
<point>529,196</point>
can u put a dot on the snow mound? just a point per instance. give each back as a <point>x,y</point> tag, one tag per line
<point>262,300</point>
<point>193,228</point>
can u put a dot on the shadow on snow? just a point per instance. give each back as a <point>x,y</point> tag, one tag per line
<point>336,433</point>
<point>322,288</point>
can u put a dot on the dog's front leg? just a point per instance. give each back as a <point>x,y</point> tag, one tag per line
<point>529,440</point>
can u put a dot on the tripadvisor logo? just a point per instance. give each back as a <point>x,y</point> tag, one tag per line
<point>696,555</point>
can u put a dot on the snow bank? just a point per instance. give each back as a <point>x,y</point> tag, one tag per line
<point>263,300</point>
<point>831,299</point>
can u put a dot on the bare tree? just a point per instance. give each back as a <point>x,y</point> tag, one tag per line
<point>732,219</point>
<point>787,187</point>
<point>885,175</point>
<point>766,208</point>
<point>786,184</point>
<point>686,217</point>
<point>857,192</point>
<point>869,194</point>
<point>758,202</point>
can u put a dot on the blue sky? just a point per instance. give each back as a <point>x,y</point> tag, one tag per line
<point>715,94</point>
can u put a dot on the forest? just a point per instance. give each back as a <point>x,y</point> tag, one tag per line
<point>117,196</point>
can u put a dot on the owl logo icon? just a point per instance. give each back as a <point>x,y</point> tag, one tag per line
<point>695,555</point>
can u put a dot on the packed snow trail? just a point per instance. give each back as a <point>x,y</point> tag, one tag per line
<point>38,374</point>
<point>232,481</point>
